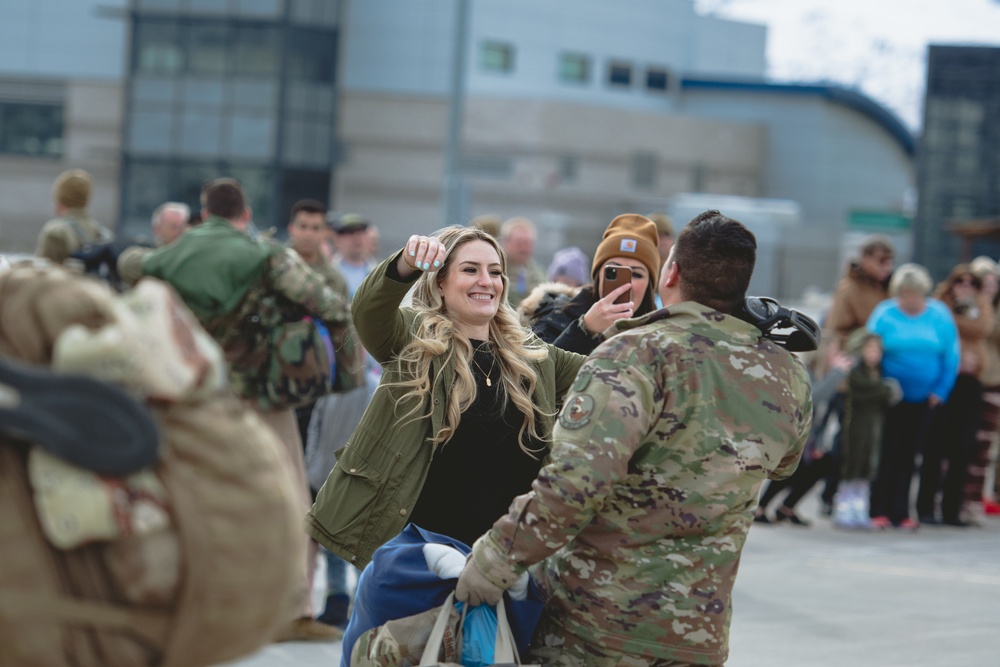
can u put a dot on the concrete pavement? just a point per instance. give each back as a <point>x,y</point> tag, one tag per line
<point>821,597</point>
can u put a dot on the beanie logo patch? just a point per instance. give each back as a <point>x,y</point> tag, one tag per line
<point>628,245</point>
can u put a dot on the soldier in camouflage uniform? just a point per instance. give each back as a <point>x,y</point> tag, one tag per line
<point>72,227</point>
<point>636,525</point>
<point>240,288</point>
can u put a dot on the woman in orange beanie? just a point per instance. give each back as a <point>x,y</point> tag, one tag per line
<point>577,320</point>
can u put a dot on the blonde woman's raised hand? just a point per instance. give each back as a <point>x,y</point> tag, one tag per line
<point>421,253</point>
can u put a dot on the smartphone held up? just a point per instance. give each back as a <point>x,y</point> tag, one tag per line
<point>614,277</point>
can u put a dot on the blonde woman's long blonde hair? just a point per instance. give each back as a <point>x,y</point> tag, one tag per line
<point>436,336</point>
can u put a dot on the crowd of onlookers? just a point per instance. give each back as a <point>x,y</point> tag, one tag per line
<point>906,382</point>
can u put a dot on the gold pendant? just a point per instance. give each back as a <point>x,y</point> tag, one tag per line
<point>488,382</point>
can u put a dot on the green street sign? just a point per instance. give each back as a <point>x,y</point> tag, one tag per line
<point>880,220</point>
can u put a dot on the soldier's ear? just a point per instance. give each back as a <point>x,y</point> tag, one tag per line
<point>672,275</point>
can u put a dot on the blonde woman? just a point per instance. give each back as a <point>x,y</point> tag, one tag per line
<point>461,421</point>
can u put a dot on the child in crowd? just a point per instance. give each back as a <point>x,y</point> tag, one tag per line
<point>869,395</point>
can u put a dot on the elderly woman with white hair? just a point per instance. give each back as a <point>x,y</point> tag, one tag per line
<point>922,354</point>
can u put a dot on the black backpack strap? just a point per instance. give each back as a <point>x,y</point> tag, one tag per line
<point>90,423</point>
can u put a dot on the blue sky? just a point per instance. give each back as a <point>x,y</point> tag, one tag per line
<point>878,46</point>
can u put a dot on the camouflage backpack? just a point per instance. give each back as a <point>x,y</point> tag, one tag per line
<point>279,357</point>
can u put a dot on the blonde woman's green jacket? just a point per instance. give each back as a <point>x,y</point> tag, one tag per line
<point>368,497</point>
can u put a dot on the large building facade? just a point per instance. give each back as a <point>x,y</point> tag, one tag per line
<point>959,157</point>
<point>570,114</point>
<point>573,117</point>
<point>245,88</point>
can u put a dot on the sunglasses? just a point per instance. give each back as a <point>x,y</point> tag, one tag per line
<point>967,281</point>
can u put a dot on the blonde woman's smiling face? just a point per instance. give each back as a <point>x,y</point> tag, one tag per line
<point>473,288</point>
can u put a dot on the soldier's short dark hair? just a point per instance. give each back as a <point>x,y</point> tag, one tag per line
<point>307,206</point>
<point>224,197</point>
<point>715,256</point>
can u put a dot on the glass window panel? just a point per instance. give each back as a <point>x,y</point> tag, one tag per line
<point>208,6</point>
<point>306,143</point>
<point>620,74</point>
<point>496,56</point>
<point>31,129</point>
<point>251,136</point>
<point>656,79</point>
<point>150,131</point>
<point>312,55</point>
<point>314,12</point>
<point>157,47</point>
<point>258,7</point>
<point>146,187</point>
<point>208,47</point>
<point>159,4</point>
<point>201,133</point>
<point>293,141</point>
<point>257,183</point>
<point>257,50</point>
<point>188,177</point>
<point>156,90</point>
<point>299,184</point>
<point>317,144</point>
<point>574,68</point>
<point>203,94</point>
<point>309,101</point>
<point>261,95</point>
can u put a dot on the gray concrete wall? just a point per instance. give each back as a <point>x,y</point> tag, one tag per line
<point>394,163</point>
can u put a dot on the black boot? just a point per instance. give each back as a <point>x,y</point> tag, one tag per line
<point>336,610</point>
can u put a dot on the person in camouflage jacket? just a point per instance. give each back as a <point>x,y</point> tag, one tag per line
<point>240,289</point>
<point>635,527</point>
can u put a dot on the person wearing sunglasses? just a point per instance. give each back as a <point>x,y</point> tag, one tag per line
<point>952,436</point>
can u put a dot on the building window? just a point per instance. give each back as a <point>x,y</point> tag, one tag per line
<point>657,79</point>
<point>644,167</point>
<point>620,74</point>
<point>158,49</point>
<point>312,56</point>
<point>31,129</point>
<point>574,68</point>
<point>496,56</point>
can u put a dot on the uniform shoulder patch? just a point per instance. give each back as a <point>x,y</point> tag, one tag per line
<point>582,379</point>
<point>577,413</point>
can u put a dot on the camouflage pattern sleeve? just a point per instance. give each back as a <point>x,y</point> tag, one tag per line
<point>604,420</point>
<point>791,460</point>
<point>290,277</point>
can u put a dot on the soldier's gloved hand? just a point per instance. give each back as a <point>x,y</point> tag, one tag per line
<point>475,588</point>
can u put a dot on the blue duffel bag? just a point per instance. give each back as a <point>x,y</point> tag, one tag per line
<point>397,583</point>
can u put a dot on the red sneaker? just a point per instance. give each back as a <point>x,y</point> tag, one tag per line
<point>991,507</point>
<point>880,522</point>
<point>908,524</point>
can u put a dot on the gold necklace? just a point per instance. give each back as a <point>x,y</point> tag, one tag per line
<point>489,383</point>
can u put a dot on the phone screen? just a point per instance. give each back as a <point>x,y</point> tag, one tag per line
<point>616,276</point>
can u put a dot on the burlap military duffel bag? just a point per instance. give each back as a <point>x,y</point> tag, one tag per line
<point>202,560</point>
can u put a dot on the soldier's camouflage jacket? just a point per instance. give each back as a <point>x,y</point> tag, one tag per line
<point>638,521</point>
<point>240,289</point>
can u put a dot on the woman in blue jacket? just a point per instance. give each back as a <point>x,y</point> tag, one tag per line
<point>922,354</point>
